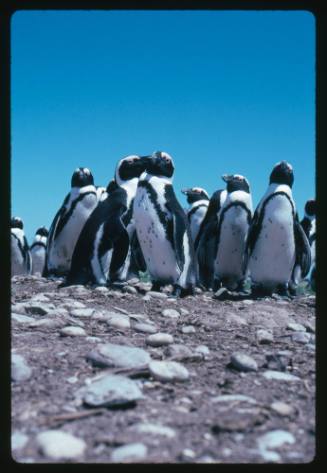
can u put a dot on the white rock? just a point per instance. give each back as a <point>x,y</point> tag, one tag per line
<point>82,312</point>
<point>40,298</point>
<point>22,319</point>
<point>168,371</point>
<point>60,445</point>
<point>159,339</point>
<point>264,336</point>
<point>188,329</point>
<point>93,339</point>
<point>129,452</point>
<point>145,328</point>
<point>154,429</point>
<point>236,319</point>
<point>275,439</point>
<point>130,290</point>
<point>146,298</point>
<point>296,327</point>
<point>233,398</point>
<point>279,376</point>
<point>301,337</point>
<point>202,349</point>
<point>38,308</point>
<point>248,302</point>
<point>20,371</point>
<point>243,362</point>
<point>18,440</point>
<point>101,289</point>
<point>119,321</point>
<point>172,313</point>
<point>72,332</point>
<point>184,311</point>
<point>110,354</point>
<point>157,295</point>
<point>47,323</point>
<point>282,408</point>
<point>71,305</point>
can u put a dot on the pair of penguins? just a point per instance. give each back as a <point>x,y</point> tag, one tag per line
<point>98,232</point>
<point>25,259</point>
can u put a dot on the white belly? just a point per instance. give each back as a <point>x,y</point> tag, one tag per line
<point>38,259</point>
<point>17,261</point>
<point>158,253</point>
<point>273,257</point>
<point>229,260</point>
<point>196,220</point>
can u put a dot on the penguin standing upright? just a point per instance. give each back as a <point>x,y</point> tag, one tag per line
<point>206,241</point>
<point>21,261</point>
<point>69,221</point>
<point>276,241</point>
<point>38,251</point>
<point>234,220</point>
<point>199,201</point>
<point>102,252</point>
<point>162,228</point>
<point>309,226</point>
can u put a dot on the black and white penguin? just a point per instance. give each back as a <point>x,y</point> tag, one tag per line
<point>162,228</point>
<point>206,241</point>
<point>38,250</point>
<point>234,220</point>
<point>309,226</point>
<point>199,201</point>
<point>69,221</point>
<point>21,261</point>
<point>102,252</point>
<point>276,241</point>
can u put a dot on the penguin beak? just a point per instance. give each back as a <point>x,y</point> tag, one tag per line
<point>185,191</point>
<point>227,177</point>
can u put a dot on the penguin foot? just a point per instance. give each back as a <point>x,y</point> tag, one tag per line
<point>156,286</point>
<point>259,292</point>
<point>116,284</point>
<point>179,291</point>
<point>216,284</point>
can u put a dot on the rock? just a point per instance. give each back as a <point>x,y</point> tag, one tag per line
<point>20,371</point>
<point>40,298</point>
<point>82,312</point>
<point>129,453</point>
<point>110,391</point>
<point>22,319</point>
<point>168,371</point>
<point>133,281</point>
<point>203,349</point>
<point>71,305</point>
<point>271,440</point>
<point>264,336</point>
<point>38,308</point>
<point>101,289</point>
<point>93,339</point>
<point>243,362</point>
<point>301,337</point>
<point>248,302</point>
<point>184,311</point>
<point>18,440</point>
<point>296,327</point>
<point>119,355</point>
<point>119,321</point>
<point>234,420</point>
<point>60,445</point>
<point>146,298</point>
<point>233,398</point>
<point>236,319</point>
<point>159,339</point>
<point>282,408</point>
<point>181,352</point>
<point>188,329</point>
<point>47,323</point>
<point>130,290</point>
<point>145,328</point>
<point>154,429</point>
<point>171,313</point>
<point>187,453</point>
<point>72,332</point>
<point>157,295</point>
<point>280,376</point>
<point>310,326</point>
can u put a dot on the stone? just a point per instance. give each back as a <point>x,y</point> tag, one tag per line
<point>236,319</point>
<point>101,290</point>
<point>129,453</point>
<point>40,298</point>
<point>282,408</point>
<point>264,336</point>
<point>279,376</point>
<point>146,298</point>
<point>106,355</point>
<point>22,319</point>
<point>203,349</point>
<point>130,290</point>
<point>233,398</point>
<point>157,295</point>
<point>18,440</point>
<point>188,329</point>
<point>82,312</point>
<point>159,339</point>
<point>171,313</point>
<point>119,321</point>
<point>38,308</point>
<point>20,371</point>
<point>180,352</point>
<point>272,440</point>
<point>296,327</point>
<point>71,305</point>
<point>243,362</point>
<point>60,445</point>
<point>310,326</point>
<point>154,429</point>
<point>47,323</point>
<point>110,391</point>
<point>248,302</point>
<point>168,371</point>
<point>301,337</point>
<point>184,311</point>
<point>143,327</point>
<point>72,332</point>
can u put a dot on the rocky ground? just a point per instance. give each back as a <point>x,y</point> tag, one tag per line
<point>133,376</point>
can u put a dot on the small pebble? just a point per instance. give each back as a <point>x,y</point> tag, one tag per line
<point>172,313</point>
<point>168,371</point>
<point>188,329</point>
<point>280,376</point>
<point>72,332</point>
<point>264,336</point>
<point>295,327</point>
<point>243,362</point>
<point>82,312</point>
<point>60,445</point>
<point>159,339</point>
<point>142,327</point>
<point>18,440</point>
<point>282,408</point>
<point>129,452</point>
<point>157,295</point>
<point>301,337</point>
<point>20,371</point>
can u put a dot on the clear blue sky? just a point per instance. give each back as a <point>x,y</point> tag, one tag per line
<point>221,91</point>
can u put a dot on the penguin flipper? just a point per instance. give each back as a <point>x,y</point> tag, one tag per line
<point>119,252</point>
<point>302,248</point>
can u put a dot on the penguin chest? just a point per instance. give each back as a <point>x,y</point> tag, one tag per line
<point>38,259</point>
<point>273,256</point>
<point>196,220</point>
<point>230,252</point>
<point>151,227</point>
<point>18,265</point>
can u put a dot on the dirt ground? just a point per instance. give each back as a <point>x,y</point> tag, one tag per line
<point>206,428</point>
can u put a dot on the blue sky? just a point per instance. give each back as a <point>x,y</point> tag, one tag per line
<point>221,91</point>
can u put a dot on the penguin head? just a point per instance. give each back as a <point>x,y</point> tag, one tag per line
<point>16,222</point>
<point>112,185</point>
<point>236,182</point>
<point>310,208</point>
<point>160,163</point>
<point>194,194</point>
<point>130,167</point>
<point>42,231</point>
<point>82,177</point>
<point>282,173</point>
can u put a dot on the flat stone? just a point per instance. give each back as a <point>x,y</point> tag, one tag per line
<point>159,339</point>
<point>110,391</point>
<point>168,371</point>
<point>22,319</point>
<point>19,308</point>
<point>20,371</point>
<point>71,305</point>
<point>106,355</point>
<point>243,362</point>
<point>146,298</point>
<point>264,336</point>
<point>188,329</point>
<point>119,321</point>
<point>38,308</point>
<point>143,327</point>
<point>301,337</point>
<point>93,339</point>
<point>82,312</point>
<point>101,289</point>
<point>130,290</point>
<point>47,323</point>
<point>154,429</point>
<point>18,440</point>
<point>203,349</point>
<point>60,445</point>
<point>179,352</point>
<point>296,327</point>
<point>157,295</point>
<point>282,408</point>
<point>233,398</point>
<point>279,376</point>
<point>184,311</point>
<point>274,439</point>
<point>72,332</point>
<point>171,313</point>
<point>248,302</point>
<point>129,453</point>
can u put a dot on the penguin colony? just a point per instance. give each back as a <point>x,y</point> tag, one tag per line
<point>105,236</point>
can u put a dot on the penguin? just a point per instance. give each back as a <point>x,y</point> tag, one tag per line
<point>162,228</point>
<point>69,221</point>
<point>308,224</point>
<point>102,252</point>
<point>21,261</point>
<point>234,220</point>
<point>205,244</point>
<point>38,250</point>
<point>199,201</point>
<point>101,192</point>
<point>276,241</point>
